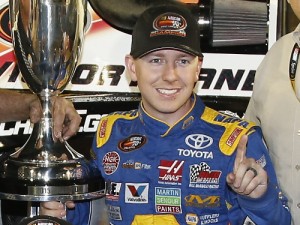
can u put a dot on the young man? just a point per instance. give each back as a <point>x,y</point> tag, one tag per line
<point>275,106</point>
<point>173,160</point>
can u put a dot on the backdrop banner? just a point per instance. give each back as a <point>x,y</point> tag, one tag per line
<point>101,85</point>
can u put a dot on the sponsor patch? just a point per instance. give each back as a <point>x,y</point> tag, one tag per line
<point>195,153</point>
<point>209,219</point>
<point>136,193</point>
<point>110,162</point>
<point>131,164</point>
<point>233,136</point>
<point>201,176</point>
<point>198,141</point>
<point>132,143</point>
<point>191,219</point>
<point>169,24</point>
<point>248,221</point>
<point>202,201</point>
<point>114,212</point>
<point>189,121</point>
<point>170,172</point>
<point>102,128</point>
<point>112,191</point>
<point>262,161</point>
<point>168,200</point>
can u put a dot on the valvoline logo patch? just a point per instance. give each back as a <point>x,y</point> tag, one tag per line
<point>132,143</point>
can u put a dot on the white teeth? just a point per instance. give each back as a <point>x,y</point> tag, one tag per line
<point>167,91</point>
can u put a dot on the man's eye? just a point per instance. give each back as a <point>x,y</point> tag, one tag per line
<point>183,61</point>
<point>155,60</point>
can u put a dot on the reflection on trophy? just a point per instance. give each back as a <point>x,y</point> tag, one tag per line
<point>47,37</point>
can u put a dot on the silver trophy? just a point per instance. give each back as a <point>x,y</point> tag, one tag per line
<point>47,37</point>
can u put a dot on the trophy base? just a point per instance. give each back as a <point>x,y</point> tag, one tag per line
<point>13,189</point>
<point>38,180</point>
<point>52,197</point>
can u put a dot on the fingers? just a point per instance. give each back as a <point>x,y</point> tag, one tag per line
<point>245,180</point>
<point>66,120</point>
<point>248,177</point>
<point>70,204</point>
<point>71,123</point>
<point>241,174</point>
<point>55,209</point>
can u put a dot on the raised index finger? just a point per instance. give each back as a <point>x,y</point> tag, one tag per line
<point>241,152</point>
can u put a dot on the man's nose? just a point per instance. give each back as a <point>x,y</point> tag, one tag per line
<point>170,72</point>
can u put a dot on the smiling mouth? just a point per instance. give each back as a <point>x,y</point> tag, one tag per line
<point>167,91</point>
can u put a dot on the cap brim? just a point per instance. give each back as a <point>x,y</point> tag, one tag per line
<point>179,48</point>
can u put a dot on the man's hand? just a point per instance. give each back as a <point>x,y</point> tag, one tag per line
<point>55,209</point>
<point>66,120</point>
<point>248,178</point>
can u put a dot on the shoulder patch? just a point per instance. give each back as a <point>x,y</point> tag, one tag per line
<point>235,128</point>
<point>106,124</point>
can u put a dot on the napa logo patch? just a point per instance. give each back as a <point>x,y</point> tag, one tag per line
<point>191,219</point>
<point>233,129</point>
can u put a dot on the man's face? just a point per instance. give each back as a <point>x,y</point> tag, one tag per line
<point>166,80</point>
<point>295,4</point>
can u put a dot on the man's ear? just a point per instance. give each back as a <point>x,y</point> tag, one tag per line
<point>130,66</point>
<point>200,61</point>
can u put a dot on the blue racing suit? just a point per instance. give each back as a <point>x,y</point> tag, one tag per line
<point>161,174</point>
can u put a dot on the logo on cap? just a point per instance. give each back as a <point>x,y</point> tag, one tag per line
<point>169,24</point>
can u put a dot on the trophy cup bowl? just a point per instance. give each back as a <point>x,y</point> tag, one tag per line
<point>47,38</point>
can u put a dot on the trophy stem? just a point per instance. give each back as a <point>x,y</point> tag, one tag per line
<point>41,145</point>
